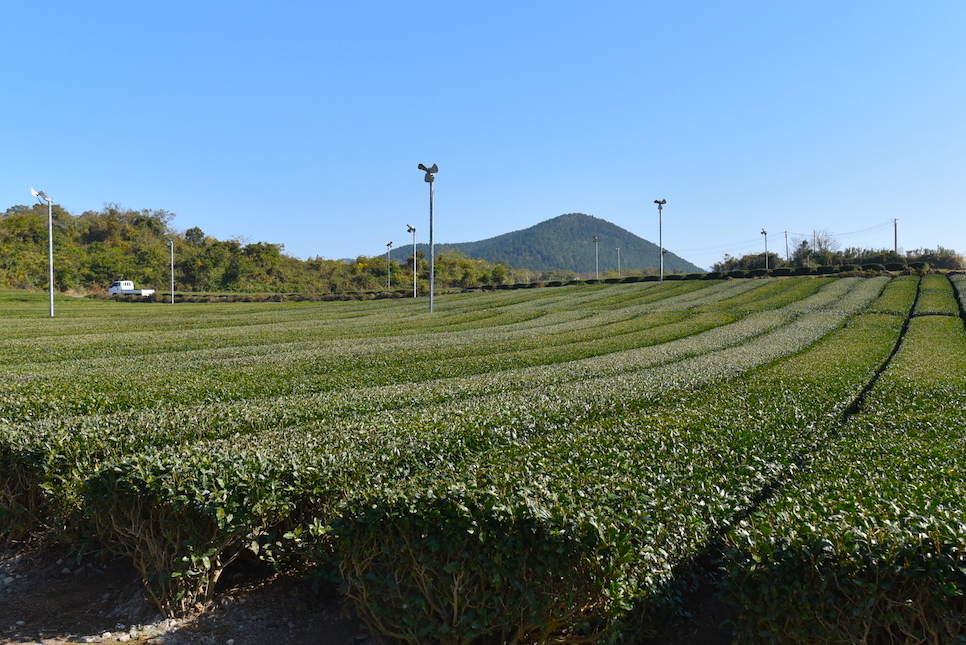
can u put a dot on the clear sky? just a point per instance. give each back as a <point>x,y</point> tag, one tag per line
<point>302,123</point>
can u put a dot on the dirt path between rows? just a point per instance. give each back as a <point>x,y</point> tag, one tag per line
<point>48,598</point>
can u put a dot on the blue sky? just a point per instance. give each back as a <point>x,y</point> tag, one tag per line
<point>302,123</point>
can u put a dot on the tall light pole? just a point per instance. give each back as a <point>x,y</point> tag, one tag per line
<point>596,258</point>
<point>618,261</point>
<point>171,244</point>
<point>39,194</point>
<point>765,233</point>
<point>388,267</point>
<point>895,235</point>
<point>430,176</point>
<point>412,229</point>
<point>660,231</point>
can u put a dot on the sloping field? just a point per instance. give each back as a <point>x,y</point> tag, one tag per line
<point>532,466</point>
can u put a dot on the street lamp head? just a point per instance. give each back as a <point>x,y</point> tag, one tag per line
<point>410,229</point>
<point>389,245</point>
<point>660,202</point>
<point>764,232</point>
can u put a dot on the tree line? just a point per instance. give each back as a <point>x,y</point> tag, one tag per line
<point>822,249</point>
<point>93,249</point>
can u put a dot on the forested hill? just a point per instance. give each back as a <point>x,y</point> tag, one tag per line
<point>567,243</point>
<point>96,247</point>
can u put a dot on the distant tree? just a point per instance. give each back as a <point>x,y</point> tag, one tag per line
<point>940,258</point>
<point>195,236</point>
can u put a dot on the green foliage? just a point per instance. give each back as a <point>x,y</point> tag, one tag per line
<point>936,297</point>
<point>97,247</point>
<point>869,543</point>
<point>521,466</point>
<point>823,250</point>
<point>566,243</point>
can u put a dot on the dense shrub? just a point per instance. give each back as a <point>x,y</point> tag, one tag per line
<point>825,269</point>
<point>895,266</point>
<point>804,271</point>
<point>694,276</point>
<point>873,267</point>
<point>782,271</point>
<point>848,267</point>
<point>738,273</point>
<point>759,273</point>
<point>919,266</point>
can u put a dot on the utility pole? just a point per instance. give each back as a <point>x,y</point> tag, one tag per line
<point>895,235</point>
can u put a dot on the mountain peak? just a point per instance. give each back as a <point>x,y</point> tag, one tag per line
<point>566,242</point>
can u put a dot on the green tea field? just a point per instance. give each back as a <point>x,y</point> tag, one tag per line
<point>556,465</point>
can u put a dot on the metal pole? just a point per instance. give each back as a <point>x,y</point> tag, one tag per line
<point>895,235</point>
<point>415,264</point>
<point>50,251</point>
<point>765,233</point>
<point>432,252</point>
<point>430,176</point>
<point>660,231</point>
<point>596,258</point>
<point>787,257</point>
<point>618,261</point>
<point>171,244</point>
<point>388,267</point>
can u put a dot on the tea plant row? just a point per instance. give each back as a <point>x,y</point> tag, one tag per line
<point>519,469</point>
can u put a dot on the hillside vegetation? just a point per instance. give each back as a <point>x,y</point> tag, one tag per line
<point>97,247</point>
<point>558,465</point>
<point>566,243</point>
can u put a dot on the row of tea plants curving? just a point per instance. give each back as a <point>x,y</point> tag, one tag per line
<point>549,466</point>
